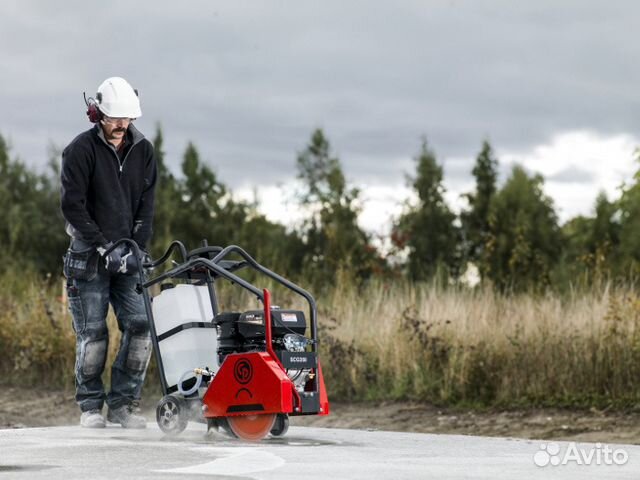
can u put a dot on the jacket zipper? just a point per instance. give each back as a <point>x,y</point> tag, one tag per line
<point>113,149</point>
<point>121,164</point>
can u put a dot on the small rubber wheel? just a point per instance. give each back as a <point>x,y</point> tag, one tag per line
<point>172,415</point>
<point>281,426</point>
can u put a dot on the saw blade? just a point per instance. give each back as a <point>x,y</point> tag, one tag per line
<point>252,428</point>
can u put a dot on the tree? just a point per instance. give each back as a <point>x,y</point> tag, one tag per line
<point>604,241</point>
<point>475,220</point>
<point>31,224</point>
<point>333,238</point>
<point>427,229</point>
<point>167,199</point>
<point>577,262</point>
<point>524,240</point>
<point>199,210</point>
<point>272,244</point>
<point>629,218</point>
<point>592,244</point>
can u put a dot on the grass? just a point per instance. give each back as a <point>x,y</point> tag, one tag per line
<point>458,346</point>
<point>447,346</point>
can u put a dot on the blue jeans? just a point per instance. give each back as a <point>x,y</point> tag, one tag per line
<point>89,303</point>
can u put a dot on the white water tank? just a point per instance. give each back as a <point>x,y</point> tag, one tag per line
<point>196,344</point>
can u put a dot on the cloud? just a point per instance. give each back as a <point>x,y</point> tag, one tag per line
<point>572,174</point>
<point>605,163</point>
<point>248,82</point>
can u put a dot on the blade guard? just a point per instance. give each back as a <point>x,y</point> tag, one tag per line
<point>248,383</point>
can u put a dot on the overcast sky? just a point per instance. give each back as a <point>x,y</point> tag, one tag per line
<point>553,85</point>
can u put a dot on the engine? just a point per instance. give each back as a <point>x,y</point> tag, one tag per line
<point>245,332</point>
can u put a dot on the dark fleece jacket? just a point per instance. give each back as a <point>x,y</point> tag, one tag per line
<point>107,195</point>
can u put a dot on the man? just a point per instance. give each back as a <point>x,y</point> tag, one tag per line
<point>108,181</point>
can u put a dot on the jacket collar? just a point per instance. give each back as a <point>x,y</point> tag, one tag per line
<point>136,135</point>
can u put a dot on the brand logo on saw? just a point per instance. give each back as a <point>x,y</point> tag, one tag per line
<point>243,371</point>
<point>298,359</point>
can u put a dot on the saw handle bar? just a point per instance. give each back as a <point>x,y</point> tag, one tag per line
<point>198,252</point>
<point>199,261</point>
<point>176,244</point>
<point>313,309</point>
<point>218,264</point>
<point>206,252</point>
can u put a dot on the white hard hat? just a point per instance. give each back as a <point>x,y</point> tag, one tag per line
<point>116,98</point>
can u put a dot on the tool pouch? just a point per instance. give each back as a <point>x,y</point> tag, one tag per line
<point>81,264</point>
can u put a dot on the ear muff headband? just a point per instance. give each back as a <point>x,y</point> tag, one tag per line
<point>93,112</point>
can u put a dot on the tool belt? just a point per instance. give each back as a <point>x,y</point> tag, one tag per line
<point>80,261</point>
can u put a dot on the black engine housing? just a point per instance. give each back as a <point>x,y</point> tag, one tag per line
<point>243,332</point>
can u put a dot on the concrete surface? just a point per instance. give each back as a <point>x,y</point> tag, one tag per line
<point>304,453</point>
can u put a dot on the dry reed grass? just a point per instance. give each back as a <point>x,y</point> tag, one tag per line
<point>454,345</point>
<point>424,342</point>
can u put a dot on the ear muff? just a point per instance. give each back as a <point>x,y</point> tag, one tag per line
<point>93,112</point>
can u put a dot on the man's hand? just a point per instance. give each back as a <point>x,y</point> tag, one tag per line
<point>122,259</point>
<point>113,259</point>
<point>129,262</point>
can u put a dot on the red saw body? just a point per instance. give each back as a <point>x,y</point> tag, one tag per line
<point>249,383</point>
<point>250,389</point>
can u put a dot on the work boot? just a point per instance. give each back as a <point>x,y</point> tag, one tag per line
<point>92,419</point>
<point>127,416</point>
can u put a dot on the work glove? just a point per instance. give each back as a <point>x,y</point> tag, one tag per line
<point>113,259</point>
<point>129,262</point>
